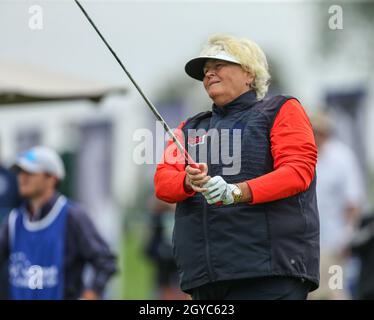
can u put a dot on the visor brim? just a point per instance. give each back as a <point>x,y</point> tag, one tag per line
<point>195,67</point>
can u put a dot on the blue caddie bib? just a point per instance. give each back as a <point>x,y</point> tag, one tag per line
<point>36,264</point>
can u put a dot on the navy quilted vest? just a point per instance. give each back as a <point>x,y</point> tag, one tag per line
<point>213,243</point>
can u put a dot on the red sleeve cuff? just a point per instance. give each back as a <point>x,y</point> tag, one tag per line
<point>250,186</point>
<point>169,186</point>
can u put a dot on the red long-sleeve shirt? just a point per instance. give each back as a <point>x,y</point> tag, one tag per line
<point>293,149</point>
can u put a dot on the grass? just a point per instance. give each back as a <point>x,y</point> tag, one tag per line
<point>137,271</point>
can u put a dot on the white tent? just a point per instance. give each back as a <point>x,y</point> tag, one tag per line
<point>21,83</point>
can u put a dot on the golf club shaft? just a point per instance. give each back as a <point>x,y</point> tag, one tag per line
<point>186,156</point>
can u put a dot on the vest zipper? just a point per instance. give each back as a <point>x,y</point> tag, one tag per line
<point>205,210</point>
<point>207,248</point>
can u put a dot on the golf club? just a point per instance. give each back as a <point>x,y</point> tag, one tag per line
<point>187,157</point>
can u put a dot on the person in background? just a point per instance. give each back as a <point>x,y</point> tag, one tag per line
<point>159,250</point>
<point>49,239</point>
<point>9,199</point>
<point>340,194</point>
<point>362,247</point>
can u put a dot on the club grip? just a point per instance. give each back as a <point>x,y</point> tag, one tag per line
<point>191,162</point>
<point>194,165</point>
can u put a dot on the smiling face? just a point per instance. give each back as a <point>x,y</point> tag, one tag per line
<point>225,81</point>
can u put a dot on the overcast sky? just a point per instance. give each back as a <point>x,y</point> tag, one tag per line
<point>153,38</point>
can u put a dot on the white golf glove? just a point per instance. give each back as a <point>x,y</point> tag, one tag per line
<point>219,191</point>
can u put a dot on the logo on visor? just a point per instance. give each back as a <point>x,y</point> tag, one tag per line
<point>28,155</point>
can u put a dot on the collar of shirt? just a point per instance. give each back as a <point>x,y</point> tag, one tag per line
<point>43,211</point>
<point>244,101</point>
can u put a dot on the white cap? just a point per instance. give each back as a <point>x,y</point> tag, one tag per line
<point>41,159</point>
<point>195,67</point>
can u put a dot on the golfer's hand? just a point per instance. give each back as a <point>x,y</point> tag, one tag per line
<point>196,178</point>
<point>218,190</point>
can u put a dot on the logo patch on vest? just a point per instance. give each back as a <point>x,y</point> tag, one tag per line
<point>193,141</point>
<point>25,275</point>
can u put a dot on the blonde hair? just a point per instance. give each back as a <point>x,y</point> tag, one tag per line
<point>251,57</point>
